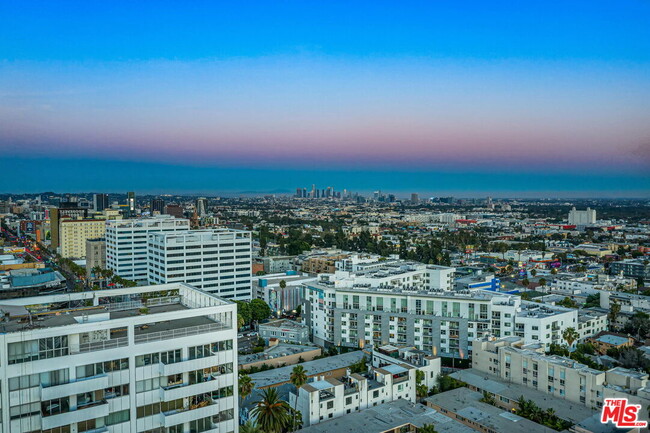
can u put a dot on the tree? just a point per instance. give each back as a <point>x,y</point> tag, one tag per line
<point>359,366</point>
<point>250,427</point>
<point>488,398</point>
<point>260,310</point>
<point>246,386</point>
<point>614,309</point>
<point>570,335</point>
<point>271,412</point>
<point>533,272</point>
<point>240,321</point>
<point>283,284</point>
<point>427,428</point>
<point>568,303</point>
<point>525,282</point>
<point>542,281</point>
<point>421,391</point>
<point>297,378</point>
<point>244,309</point>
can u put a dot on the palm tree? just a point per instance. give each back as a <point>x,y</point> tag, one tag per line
<point>250,427</point>
<point>297,378</point>
<point>570,335</point>
<point>427,428</point>
<point>421,391</point>
<point>246,386</point>
<point>272,413</point>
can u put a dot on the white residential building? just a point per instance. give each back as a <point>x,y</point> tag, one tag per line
<point>325,399</point>
<point>441,322</point>
<point>218,261</point>
<point>512,360</point>
<point>126,243</point>
<point>146,359</point>
<point>411,356</point>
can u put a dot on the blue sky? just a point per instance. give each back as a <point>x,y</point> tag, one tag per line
<point>466,97</point>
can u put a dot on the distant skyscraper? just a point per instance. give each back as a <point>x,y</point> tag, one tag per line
<point>100,202</point>
<point>298,192</point>
<point>415,198</point>
<point>201,206</point>
<point>130,202</point>
<point>157,205</point>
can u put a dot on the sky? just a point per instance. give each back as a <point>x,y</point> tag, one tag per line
<point>468,98</point>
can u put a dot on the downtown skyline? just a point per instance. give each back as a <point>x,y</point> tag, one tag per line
<point>427,98</point>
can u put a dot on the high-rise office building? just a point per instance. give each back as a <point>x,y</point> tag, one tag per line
<point>73,234</point>
<point>66,209</point>
<point>201,206</point>
<point>157,205</point>
<point>130,203</point>
<point>218,261</point>
<point>156,358</point>
<point>126,243</point>
<point>415,198</point>
<point>100,202</point>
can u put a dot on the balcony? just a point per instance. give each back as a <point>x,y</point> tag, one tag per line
<point>190,413</point>
<point>148,337</point>
<point>188,365</point>
<point>183,390</point>
<point>78,386</point>
<point>92,410</point>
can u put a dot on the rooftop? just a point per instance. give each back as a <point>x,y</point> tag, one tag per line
<point>273,377</point>
<point>46,311</point>
<point>275,352</point>
<point>388,416</point>
<point>564,409</point>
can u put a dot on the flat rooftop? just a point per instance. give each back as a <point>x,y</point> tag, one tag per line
<point>102,305</point>
<point>284,324</point>
<point>389,416</point>
<point>276,352</point>
<point>567,410</point>
<point>276,376</point>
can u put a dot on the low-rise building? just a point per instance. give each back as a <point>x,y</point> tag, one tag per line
<point>285,331</point>
<point>603,341</point>
<point>512,360</point>
<point>428,364</point>
<point>278,355</point>
<point>331,398</point>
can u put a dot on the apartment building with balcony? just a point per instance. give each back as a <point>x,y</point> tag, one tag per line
<point>151,359</point>
<point>218,261</point>
<point>126,243</point>
<point>418,359</point>
<point>330,398</point>
<point>439,322</point>
<point>526,364</point>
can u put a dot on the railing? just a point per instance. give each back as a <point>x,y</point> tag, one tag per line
<point>177,333</point>
<point>113,343</point>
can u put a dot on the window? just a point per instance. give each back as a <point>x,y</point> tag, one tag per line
<point>91,370</point>
<point>50,378</point>
<point>56,406</point>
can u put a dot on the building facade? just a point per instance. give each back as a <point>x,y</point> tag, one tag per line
<point>512,360</point>
<point>126,243</point>
<point>74,234</point>
<point>218,261</point>
<point>152,359</point>
<point>330,398</point>
<point>436,321</point>
<point>95,255</point>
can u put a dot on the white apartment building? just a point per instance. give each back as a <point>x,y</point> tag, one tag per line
<point>218,261</point>
<point>416,358</point>
<point>439,322</point>
<point>149,359</point>
<point>330,398</point>
<point>126,243</point>
<point>512,360</point>
<point>582,217</point>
